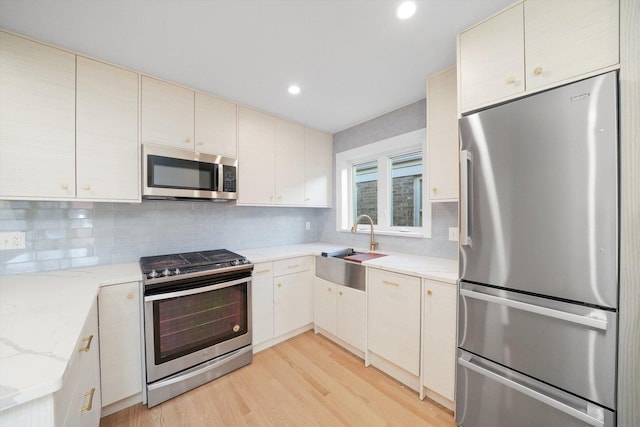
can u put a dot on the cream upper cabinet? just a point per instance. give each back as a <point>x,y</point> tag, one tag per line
<point>256,157</point>
<point>167,113</point>
<point>442,136</point>
<point>535,45</point>
<point>491,59</point>
<point>289,166</point>
<point>568,38</point>
<point>281,163</point>
<point>439,340</point>
<point>37,120</point>
<point>107,147</point>
<point>215,126</point>
<point>318,165</point>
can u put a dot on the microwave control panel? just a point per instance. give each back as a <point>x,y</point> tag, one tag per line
<point>229,179</point>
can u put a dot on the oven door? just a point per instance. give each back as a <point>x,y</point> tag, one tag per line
<point>190,326</point>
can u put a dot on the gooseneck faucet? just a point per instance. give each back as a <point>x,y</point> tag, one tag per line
<point>373,244</point>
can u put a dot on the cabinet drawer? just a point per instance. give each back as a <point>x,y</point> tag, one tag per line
<point>291,265</point>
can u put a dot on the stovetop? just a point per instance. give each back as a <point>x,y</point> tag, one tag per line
<point>164,266</point>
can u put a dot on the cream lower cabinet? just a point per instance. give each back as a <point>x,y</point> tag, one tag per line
<point>78,403</point>
<point>262,302</point>
<point>341,311</point>
<point>37,120</point>
<point>120,342</point>
<point>439,341</point>
<point>393,319</point>
<point>292,294</point>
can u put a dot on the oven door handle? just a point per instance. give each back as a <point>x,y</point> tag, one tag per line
<point>196,290</point>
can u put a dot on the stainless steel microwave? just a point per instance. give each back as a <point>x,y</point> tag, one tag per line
<point>175,174</point>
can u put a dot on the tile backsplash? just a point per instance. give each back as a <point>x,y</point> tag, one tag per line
<point>78,234</point>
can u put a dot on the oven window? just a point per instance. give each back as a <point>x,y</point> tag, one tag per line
<point>187,324</point>
<point>166,172</point>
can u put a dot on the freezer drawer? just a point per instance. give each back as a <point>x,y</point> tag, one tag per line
<point>489,395</point>
<point>570,346</point>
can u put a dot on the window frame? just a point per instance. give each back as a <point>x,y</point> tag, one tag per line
<point>382,151</point>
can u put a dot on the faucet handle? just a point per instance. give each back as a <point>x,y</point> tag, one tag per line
<point>374,245</point>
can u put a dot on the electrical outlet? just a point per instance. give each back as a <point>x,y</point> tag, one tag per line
<point>453,234</point>
<point>12,240</point>
<point>307,225</point>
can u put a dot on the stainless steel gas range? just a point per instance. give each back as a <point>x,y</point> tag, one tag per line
<point>197,319</point>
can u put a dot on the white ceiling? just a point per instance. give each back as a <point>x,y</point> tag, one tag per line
<point>353,59</point>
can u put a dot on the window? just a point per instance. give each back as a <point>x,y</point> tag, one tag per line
<point>385,181</point>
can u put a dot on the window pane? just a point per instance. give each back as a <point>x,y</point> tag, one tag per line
<point>406,197</point>
<point>365,190</point>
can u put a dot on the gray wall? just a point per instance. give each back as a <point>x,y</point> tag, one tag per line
<point>78,234</point>
<point>444,215</point>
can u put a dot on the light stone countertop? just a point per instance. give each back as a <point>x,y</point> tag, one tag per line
<point>441,269</point>
<point>42,314</point>
<point>41,318</point>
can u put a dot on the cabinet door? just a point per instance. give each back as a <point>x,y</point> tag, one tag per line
<point>442,136</point>
<point>107,147</point>
<point>567,38</point>
<point>293,301</point>
<point>393,323</point>
<point>491,59</point>
<point>324,303</point>
<point>318,168</point>
<point>439,348</point>
<point>120,355</point>
<point>289,166</point>
<point>256,157</point>
<point>216,127</point>
<point>351,315</point>
<point>167,114</point>
<point>262,302</point>
<point>37,120</point>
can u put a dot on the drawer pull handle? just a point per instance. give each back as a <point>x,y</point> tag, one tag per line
<point>429,292</point>
<point>294,266</point>
<point>340,293</point>
<point>279,285</point>
<point>262,271</point>
<point>537,71</point>
<point>386,282</point>
<point>88,346</point>
<point>329,289</point>
<point>130,295</point>
<point>511,80</point>
<point>90,404</point>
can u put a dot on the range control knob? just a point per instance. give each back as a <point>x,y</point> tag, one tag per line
<point>235,262</point>
<point>153,274</point>
<point>166,272</point>
<point>177,271</point>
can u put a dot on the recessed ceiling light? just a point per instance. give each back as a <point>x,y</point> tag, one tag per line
<point>294,89</point>
<point>406,10</point>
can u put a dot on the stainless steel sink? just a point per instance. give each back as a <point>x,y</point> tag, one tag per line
<point>331,266</point>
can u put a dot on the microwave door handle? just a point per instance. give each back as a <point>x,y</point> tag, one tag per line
<point>540,397</point>
<point>465,236</point>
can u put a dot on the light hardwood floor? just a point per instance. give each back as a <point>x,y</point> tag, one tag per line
<point>305,381</point>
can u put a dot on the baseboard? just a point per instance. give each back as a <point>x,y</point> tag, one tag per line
<point>394,371</point>
<point>121,404</point>
<point>277,340</point>
<point>438,398</point>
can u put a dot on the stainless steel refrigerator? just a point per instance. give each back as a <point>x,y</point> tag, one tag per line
<point>538,294</point>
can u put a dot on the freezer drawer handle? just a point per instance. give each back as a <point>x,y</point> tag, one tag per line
<point>573,412</point>
<point>549,312</point>
<point>465,236</point>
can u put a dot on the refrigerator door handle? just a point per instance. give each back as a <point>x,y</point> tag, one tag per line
<point>465,159</point>
<point>549,312</point>
<point>540,397</point>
